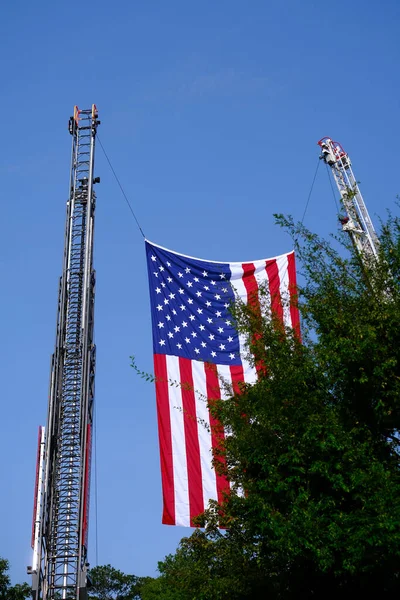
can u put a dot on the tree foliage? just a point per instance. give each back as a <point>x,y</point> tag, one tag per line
<point>108,583</point>
<point>314,444</point>
<point>20,591</point>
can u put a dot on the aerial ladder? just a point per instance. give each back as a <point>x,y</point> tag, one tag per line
<point>61,503</point>
<point>356,222</point>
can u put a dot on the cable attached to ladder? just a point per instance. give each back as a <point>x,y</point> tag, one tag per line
<point>121,188</point>
<point>310,192</point>
<point>333,191</point>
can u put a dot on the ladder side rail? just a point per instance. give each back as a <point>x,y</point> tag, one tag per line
<point>353,228</point>
<point>362,211</point>
<point>88,365</point>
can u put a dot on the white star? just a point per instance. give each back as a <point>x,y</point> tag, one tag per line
<point>170,334</point>
<point>204,273</point>
<point>160,324</point>
<point>168,264</point>
<point>231,355</point>
<point>173,311</point>
<point>196,279</point>
<point>192,317</point>
<point>222,275</point>
<point>224,290</point>
<point>168,317</point>
<point>166,301</point>
<point>179,346</point>
<point>158,290</point>
<point>200,311</point>
<point>184,324</point>
<point>213,354</point>
<point>222,346</point>
<point>190,301</point>
<point>180,274</point>
<point>162,284</point>
<point>197,351</point>
<point>169,279</point>
<point>155,273</point>
<point>213,283</point>
<point>153,258</point>
<point>209,320</point>
<point>176,328</point>
<point>202,328</point>
<point>218,313</point>
<point>203,344</point>
<point>230,339</point>
<point>161,268</point>
<point>208,303</point>
<point>220,329</point>
<point>182,307</point>
<point>193,334</point>
<point>189,284</point>
<point>217,297</point>
<point>198,294</point>
<point>187,270</point>
<point>226,304</point>
<point>206,288</point>
<point>228,322</point>
<point>172,296</point>
<point>162,343</point>
<point>159,307</point>
<point>181,291</point>
<point>211,336</point>
<point>187,340</point>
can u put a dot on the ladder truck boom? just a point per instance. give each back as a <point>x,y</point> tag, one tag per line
<point>60,528</point>
<point>357,221</point>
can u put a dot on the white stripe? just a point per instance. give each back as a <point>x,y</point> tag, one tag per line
<point>250,373</point>
<point>282,263</point>
<point>261,276</point>
<point>181,485</point>
<point>208,477</point>
<point>225,381</point>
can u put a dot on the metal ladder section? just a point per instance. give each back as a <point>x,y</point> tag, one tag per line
<point>62,563</point>
<point>357,221</point>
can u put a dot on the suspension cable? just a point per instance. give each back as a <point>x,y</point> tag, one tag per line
<point>121,188</point>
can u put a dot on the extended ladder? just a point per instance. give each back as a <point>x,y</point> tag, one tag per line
<point>357,221</point>
<point>59,569</point>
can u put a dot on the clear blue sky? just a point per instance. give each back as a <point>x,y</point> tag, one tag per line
<point>210,114</point>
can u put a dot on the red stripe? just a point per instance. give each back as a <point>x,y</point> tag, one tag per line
<point>274,288</point>
<point>237,375</point>
<point>196,502</point>
<point>294,311</point>
<point>251,285</point>
<point>165,439</point>
<point>217,430</point>
<point>253,300</point>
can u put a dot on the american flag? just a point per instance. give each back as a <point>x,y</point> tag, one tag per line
<point>196,348</point>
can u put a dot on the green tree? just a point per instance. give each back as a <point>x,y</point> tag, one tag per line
<point>20,591</point>
<point>314,443</point>
<point>107,583</point>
